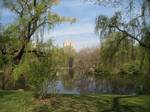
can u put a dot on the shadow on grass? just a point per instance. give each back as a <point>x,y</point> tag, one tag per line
<point>5,93</point>
<point>117,107</point>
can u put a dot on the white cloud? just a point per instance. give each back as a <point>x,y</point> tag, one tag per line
<point>71,30</point>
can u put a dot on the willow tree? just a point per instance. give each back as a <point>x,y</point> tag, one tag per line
<point>31,16</point>
<point>132,21</point>
<point>115,53</point>
<point>135,21</point>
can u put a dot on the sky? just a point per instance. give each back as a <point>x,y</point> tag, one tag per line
<point>80,33</point>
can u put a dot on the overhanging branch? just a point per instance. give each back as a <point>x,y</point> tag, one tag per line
<point>131,36</point>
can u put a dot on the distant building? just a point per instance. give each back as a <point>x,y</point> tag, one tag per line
<point>68,44</point>
<point>69,47</point>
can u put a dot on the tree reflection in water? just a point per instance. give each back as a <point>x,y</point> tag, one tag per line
<point>78,83</point>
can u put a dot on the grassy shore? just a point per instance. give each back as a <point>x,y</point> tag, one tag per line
<point>16,101</point>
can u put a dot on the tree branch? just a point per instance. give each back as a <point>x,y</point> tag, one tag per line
<point>131,36</point>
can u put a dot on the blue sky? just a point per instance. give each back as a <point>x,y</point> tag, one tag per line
<point>80,33</point>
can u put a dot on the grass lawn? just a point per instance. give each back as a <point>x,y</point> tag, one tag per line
<point>16,101</point>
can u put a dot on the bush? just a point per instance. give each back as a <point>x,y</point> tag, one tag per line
<point>130,77</point>
<point>99,73</point>
<point>129,71</point>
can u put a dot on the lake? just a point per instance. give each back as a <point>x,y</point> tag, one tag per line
<point>80,84</point>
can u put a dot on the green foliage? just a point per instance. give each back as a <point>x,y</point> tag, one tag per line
<point>126,61</point>
<point>115,51</point>
<point>99,73</point>
<point>21,68</point>
<point>130,70</point>
<point>40,69</point>
<point>125,44</point>
<point>30,19</point>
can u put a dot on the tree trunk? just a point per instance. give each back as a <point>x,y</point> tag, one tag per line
<point>19,55</point>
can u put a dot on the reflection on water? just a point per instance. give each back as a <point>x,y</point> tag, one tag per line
<point>61,88</point>
<point>78,84</point>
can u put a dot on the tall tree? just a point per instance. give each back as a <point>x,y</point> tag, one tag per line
<point>31,16</point>
<point>136,25</point>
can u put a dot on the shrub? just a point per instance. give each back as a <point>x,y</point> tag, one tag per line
<point>129,71</point>
<point>99,73</point>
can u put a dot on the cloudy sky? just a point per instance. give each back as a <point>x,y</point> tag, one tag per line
<point>80,33</point>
